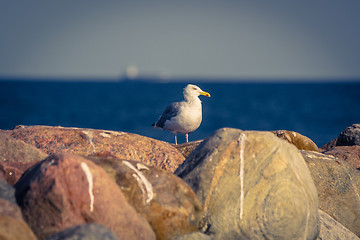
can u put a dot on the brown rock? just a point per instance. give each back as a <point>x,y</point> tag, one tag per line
<point>90,141</point>
<point>12,224</point>
<point>349,154</point>
<point>16,156</point>
<point>328,146</point>
<point>66,190</point>
<point>11,229</point>
<point>338,185</point>
<point>186,148</point>
<point>12,171</point>
<point>252,185</point>
<point>330,229</point>
<point>166,201</point>
<point>300,141</point>
<point>12,150</point>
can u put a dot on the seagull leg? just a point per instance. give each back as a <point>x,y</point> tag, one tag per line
<point>187,137</point>
<point>175,139</point>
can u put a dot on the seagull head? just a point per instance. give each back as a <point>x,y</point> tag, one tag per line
<point>191,91</point>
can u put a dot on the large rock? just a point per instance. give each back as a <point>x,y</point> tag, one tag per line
<point>332,230</point>
<point>90,231</point>
<point>350,136</point>
<point>349,154</point>
<point>338,186</point>
<point>252,185</point>
<point>66,190</point>
<point>90,141</point>
<point>16,156</point>
<point>12,150</point>
<point>12,228</point>
<point>166,201</point>
<point>12,224</point>
<point>300,141</point>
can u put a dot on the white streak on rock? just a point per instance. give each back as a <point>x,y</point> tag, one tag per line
<point>242,139</point>
<point>141,166</point>
<point>89,178</point>
<point>105,135</point>
<point>143,181</point>
<point>90,136</point>
<point>139,180</point>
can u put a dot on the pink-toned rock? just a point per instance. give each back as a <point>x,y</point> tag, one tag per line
<point>300,141</point>
<point>166,201</point>
<point>350,154</point>
<point>16,156</point>
<point>12,171</point>
<point>66,190</point>
<point>12,150</point>
<point>89,141</point>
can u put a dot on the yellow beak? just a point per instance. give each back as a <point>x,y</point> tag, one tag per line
<point>206,94</point>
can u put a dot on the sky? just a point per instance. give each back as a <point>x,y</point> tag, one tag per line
<point>241,39</point>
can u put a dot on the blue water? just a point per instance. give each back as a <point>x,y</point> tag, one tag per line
<point>317,110</point>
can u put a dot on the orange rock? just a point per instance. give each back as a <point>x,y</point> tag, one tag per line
<point>166,201</point>
<point>300,141</point>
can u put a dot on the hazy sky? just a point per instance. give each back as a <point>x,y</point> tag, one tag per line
<point>238,39</point>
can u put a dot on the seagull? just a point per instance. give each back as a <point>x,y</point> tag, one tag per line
<point>185,116</point>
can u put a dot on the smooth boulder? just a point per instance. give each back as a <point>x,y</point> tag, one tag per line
<point>252,185</point>
<point>166,201</point>
<point>66,190</point>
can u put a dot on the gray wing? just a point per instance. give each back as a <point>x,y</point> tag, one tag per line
<point>170,111</point>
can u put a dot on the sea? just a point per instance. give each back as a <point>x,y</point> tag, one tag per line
<point>318,110</point>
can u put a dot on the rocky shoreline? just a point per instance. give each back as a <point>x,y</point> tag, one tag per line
<point>74,183</point>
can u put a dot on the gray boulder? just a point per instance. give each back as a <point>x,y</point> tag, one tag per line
<point>338,185</point>
<point>350,136</point>
<point>332,230</point>
<point>252,185</point>
<point>91,231</point>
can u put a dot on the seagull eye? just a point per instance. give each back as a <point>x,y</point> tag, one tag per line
<point>195,88</point>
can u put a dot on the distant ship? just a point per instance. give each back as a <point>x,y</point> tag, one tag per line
<point>132,73</point>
